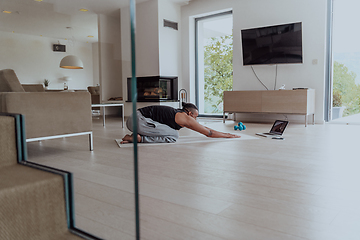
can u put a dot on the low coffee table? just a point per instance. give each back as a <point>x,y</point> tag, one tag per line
<point>110,104</point>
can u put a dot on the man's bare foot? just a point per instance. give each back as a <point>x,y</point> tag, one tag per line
<point>126,139</point>
<point>129,139</point>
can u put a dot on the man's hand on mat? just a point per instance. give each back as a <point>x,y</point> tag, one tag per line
<point>216,134</point>
<point>129,139</point>
<point>229,135</point>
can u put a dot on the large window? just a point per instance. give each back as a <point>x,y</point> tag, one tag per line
<point>214,55</point>
<point>346,59</point>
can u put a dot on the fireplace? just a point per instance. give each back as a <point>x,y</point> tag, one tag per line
<point>155,89</point>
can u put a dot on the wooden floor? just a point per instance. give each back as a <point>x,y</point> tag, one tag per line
<point>304,187</point>
<point>352,119</point>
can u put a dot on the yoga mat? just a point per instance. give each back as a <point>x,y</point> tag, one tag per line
<point>189,140</point>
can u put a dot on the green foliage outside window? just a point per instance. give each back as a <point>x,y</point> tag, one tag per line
<point>346,93</point>
<point>218,71</point>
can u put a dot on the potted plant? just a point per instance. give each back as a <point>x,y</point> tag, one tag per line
<point>46,83</point>
<point>338,108</point>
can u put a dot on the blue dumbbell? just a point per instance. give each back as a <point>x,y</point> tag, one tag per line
<point>240,126</point>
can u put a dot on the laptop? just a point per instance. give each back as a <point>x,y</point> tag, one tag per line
<point>277,129</point>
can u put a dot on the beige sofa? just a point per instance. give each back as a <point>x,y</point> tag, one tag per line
<point>47,114</point>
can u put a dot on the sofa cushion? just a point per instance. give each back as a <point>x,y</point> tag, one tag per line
<point>33,87</point>
<point>9,81</point>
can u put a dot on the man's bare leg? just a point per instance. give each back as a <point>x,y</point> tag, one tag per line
<point>129,139</point>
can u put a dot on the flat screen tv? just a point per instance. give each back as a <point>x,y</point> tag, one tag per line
<point>278,44</point>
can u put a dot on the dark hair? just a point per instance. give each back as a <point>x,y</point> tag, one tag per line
<point>189,107</point>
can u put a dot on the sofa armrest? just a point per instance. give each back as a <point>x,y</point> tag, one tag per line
<point>50,114</point>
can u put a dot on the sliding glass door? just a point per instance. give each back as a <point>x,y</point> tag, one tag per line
<point>214,55</point>
<point>346,61</point>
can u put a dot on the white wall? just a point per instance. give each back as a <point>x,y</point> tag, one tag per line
<point>256,13</point>
<point>147,39</point>
<point>157,47</point>
<point>146,45</point>
<point>33,60</point>
<point>109,57</point>
<point>169,39</point>
<point>125,53</point>
<point>95,59</point>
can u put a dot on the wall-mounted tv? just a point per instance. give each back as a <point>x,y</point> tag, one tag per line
<point>278,44</point>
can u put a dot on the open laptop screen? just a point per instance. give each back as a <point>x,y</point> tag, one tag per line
<point>279,127</point>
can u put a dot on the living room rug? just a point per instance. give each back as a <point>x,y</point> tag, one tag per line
<point>190,140</point>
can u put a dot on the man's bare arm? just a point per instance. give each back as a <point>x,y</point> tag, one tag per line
<point>217,134</point>
<point>186,121</point>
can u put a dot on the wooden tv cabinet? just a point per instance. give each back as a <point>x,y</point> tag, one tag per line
<point>300,102</point>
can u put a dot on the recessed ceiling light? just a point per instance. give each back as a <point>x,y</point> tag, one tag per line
<point>6,11</point>
<point>90,36</point>
<point>83,10</point>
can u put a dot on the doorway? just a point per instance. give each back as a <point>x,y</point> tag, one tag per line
<point>214,55</point>
<point>346,63</point>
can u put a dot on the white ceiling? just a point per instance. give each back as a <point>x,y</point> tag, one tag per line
<point>51,18</point>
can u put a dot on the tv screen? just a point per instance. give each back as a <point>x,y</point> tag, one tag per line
<point>272,45</point>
